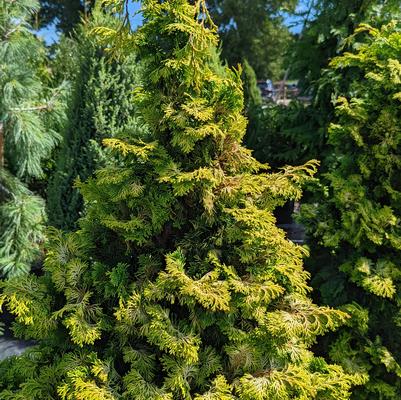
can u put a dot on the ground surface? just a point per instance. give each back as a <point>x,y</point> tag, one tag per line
<point>11,347</point>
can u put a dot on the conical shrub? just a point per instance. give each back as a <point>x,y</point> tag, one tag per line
<point>178,285</point>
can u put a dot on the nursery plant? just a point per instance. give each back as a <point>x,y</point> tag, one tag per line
<point>353,222</point>
<point>178,284</point>
<point>100,105</point>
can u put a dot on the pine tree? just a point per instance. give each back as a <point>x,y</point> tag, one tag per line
<point>101,105</point>
<point>354,229</point>
<point>28,111</point>
<point>178,285</point>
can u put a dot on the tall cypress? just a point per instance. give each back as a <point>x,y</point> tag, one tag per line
<point>29,112</point>
<point>101,105</point>
<point>179,285</point>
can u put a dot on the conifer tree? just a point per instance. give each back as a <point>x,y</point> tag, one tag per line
<point>328,33</point>
<point>28,111</point>
<point>252,94</point>
<point>354,222</point>
<point>297,133</point>
<point>101,105</point>
<point>285,134</point>
<point>178,284</point>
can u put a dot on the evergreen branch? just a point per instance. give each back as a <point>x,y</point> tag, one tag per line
<point>48,106</point>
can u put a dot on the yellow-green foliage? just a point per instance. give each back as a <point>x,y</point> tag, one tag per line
<point>179,285</point>
<point>355,227</point>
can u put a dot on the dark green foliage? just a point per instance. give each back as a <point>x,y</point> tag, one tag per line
<point>285,135</point>
<point>179,285</point>
<point>354,229</point>
<point>101,105</point>
<point>29,113</point>
<point>252,95</point>
<point>282,135</point>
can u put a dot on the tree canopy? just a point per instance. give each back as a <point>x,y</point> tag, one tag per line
<point>65,14</point>
<point>253,30</point>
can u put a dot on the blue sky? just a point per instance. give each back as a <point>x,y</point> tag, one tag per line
<point>50,35</point>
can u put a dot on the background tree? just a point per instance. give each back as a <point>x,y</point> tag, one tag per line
<point>178,285</point>
<point>252,95</point>
<point>65,14</point>
<point>253,30</point>
<point>353,221</point>
<point>285,134</point>
<point>28,112</point>
<point>101,105</point>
